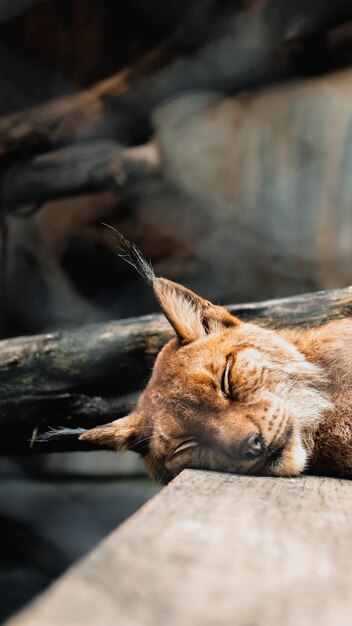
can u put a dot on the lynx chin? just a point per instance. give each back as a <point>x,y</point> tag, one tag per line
<point>232,396</point>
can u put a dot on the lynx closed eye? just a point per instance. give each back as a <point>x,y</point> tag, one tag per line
<point>225,382</point>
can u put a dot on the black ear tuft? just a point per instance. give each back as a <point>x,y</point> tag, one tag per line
<point>190,315</point>
<point>130,253</point>
<point>58,433</point>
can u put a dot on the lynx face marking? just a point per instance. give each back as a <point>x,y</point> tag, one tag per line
<point>224,395</point>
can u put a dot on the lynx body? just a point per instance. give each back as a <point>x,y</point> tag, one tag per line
<point>232,396</point>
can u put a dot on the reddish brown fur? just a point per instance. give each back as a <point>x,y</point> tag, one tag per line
<point>293,388</point>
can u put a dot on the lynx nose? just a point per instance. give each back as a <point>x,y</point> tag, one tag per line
<point>253,447</point>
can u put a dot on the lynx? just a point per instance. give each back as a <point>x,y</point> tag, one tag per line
<point>231,396</point>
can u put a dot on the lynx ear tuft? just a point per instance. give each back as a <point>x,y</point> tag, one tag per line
<point>129,252</point>
<point>122,434</point>
<point>191,316</point>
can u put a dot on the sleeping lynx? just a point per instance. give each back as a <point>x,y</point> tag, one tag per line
<point>231,396</point>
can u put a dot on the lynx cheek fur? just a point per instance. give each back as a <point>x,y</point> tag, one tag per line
<point>231,396</point>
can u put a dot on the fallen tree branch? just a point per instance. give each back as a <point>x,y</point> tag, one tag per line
<point>81,377</point>
<point>87,167</point>
<point>28,132</point>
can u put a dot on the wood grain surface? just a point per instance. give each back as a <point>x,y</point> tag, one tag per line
<point>216,549</point>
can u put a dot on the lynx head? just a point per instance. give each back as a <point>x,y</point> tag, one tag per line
<point>223,395</point>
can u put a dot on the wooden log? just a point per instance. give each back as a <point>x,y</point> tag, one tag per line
<point>23,422</point>
<point>90,114</point>
<point>43,378</point>
<point>31,131</point>
<point>87,167</point>
<point>216,549</point>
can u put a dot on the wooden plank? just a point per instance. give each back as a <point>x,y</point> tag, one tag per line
<point>218,549</point>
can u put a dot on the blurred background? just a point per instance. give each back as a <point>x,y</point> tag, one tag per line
<point>217,135</point>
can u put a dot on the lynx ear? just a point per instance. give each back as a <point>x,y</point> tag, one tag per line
<point>122,434</point>
<point>191,316</point>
